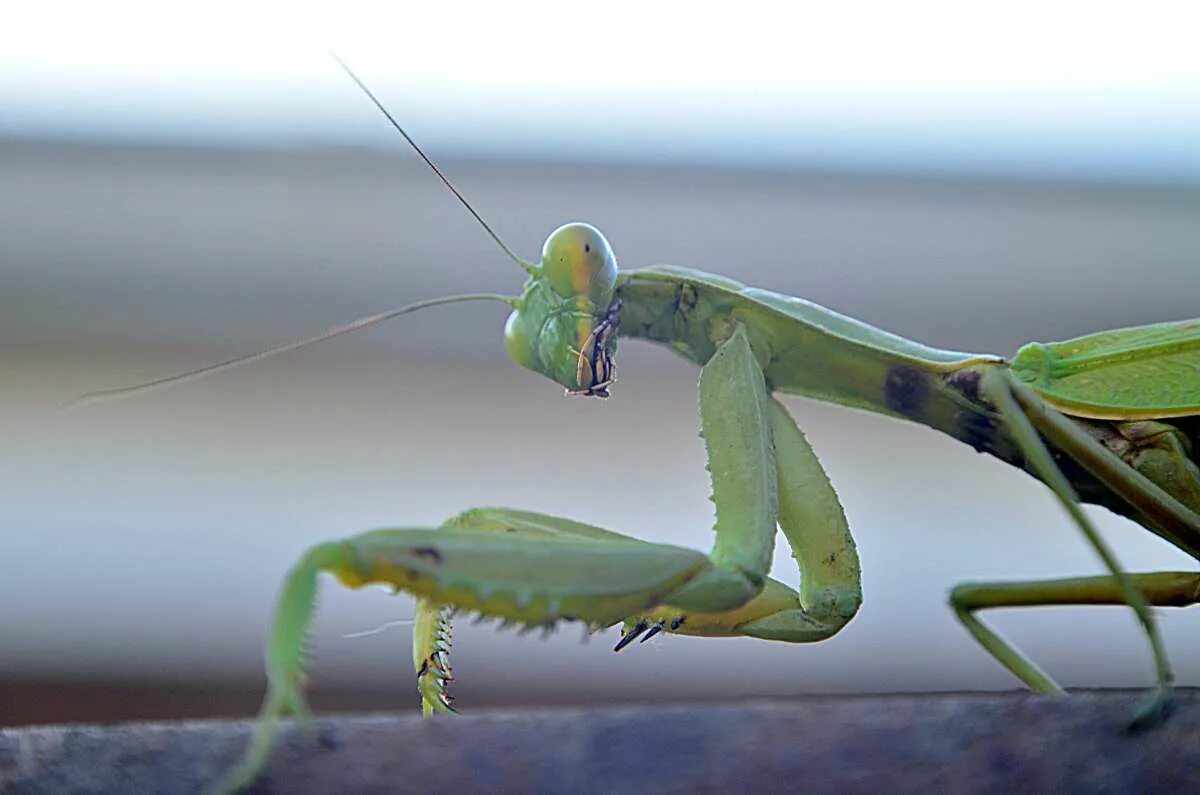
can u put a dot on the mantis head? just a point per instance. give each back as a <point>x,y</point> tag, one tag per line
<point>565,321</point>
<point>563,325</point>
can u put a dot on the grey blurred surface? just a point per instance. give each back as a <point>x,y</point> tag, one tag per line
<point>997,743</point>
<point>143,540</point>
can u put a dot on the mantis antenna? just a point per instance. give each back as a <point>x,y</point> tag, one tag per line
<point>529,267</point>
<point>337,331</point>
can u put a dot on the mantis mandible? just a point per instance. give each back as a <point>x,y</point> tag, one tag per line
<point>1102,419</point>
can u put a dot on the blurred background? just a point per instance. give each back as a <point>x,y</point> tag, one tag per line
<point>188,182</point>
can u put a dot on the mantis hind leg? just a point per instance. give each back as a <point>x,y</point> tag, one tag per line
<point>1161,589</point>
<point>1021,409</point>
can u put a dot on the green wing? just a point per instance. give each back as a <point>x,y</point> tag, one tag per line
<point>1133,373</point>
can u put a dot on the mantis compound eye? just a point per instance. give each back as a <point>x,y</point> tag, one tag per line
<point>516,342</point>
<point>578,261</point>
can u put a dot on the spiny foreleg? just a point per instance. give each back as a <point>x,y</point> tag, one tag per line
<point>432,633</point>
<point>811,517</point>
<point>508,570</point>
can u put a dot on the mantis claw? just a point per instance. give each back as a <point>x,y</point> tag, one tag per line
<point>1154,710</point>
<point>654,630</point>
<point>441,668</point>
<point>631,635</point>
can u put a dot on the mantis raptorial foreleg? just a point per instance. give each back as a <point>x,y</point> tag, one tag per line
<point>513,574</point>
<point>1021,410</point>
<point>812,519</point>
<point>432,623</point>
<point>535,569</point>
<point>431,654</point>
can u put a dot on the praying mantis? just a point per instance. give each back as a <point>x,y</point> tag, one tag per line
<point>1108,419</point>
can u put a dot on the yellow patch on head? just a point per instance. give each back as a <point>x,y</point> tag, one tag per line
<point>581,271</point>
<point>577,260</point>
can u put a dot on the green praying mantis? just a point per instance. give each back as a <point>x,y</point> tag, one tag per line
<point>1111,418</point>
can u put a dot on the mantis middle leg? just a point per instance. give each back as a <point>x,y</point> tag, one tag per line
<point>1026,415</point>
<point>1161,589</point>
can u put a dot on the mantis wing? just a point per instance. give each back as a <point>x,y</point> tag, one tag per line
<point>1146,372</point>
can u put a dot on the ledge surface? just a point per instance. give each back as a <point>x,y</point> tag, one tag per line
<point>938,743</point>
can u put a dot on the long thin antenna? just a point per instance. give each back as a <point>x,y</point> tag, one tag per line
<point>529,267</point>
<point>370,320</point>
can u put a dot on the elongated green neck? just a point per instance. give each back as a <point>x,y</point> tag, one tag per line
<point>808,350</point>
<point>804,348</point>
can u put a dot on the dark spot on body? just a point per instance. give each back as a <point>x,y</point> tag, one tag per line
<point>587,248</point>
<point>832,559</point>
<point>905,391</point>
<point>427,553</point>
<point>978,429</point>
<point>967,383</point>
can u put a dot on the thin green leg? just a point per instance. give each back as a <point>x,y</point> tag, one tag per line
<point>1163,513</point>
<point>1002,389</point>
<point>1162,589</point>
